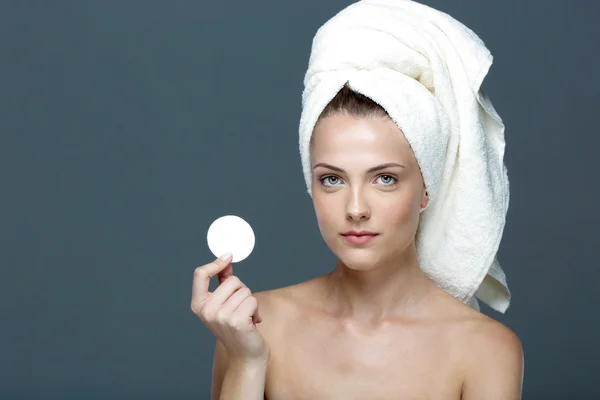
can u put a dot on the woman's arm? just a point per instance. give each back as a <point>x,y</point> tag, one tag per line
<point>237,380</point>
<point>495,364</point>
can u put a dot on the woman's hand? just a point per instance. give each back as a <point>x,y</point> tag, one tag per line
<point>230,312</point>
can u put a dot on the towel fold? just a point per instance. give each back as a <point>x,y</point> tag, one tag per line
<point>426,69</point>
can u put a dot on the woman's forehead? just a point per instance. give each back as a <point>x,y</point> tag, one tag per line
<point>345,135</point>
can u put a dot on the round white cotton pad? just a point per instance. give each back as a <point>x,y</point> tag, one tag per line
<point>233,234</point>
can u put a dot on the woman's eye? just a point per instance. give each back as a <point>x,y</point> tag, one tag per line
<point>334,178</point>
<point>387,179</point>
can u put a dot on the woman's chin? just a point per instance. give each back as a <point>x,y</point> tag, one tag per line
<point>359,260</point>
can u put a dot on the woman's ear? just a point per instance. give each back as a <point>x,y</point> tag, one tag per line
<point>425,199</point>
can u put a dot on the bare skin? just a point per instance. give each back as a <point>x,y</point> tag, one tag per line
<point>316,354</point>
<point>376,327</point>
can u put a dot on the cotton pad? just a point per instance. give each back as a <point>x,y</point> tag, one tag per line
<point>231,234</point>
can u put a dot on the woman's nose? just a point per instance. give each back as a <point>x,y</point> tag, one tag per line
<point>357,207</point>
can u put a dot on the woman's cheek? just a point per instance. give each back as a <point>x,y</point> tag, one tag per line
<point>323,218</point>
<point>397,212</point>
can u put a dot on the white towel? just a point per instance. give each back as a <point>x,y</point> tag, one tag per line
<point>425,69</point>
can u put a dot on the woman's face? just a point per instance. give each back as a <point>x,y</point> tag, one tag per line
<point>351,192</point>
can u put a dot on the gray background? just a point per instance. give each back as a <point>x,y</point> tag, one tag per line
<point>127,127</point>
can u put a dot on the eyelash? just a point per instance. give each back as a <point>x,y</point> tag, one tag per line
<point>379,176</point>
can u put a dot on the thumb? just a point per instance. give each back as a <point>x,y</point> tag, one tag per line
<point>225,272</point>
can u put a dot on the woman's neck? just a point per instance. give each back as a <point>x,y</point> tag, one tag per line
<point>395,289</point>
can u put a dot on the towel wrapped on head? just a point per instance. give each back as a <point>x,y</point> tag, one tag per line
<point>426,69</point>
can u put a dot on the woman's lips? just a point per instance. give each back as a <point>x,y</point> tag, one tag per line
<point>358,239</point>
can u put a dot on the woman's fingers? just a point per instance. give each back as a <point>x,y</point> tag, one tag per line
<point>248,308</point>
<point>225,290</point>
<point>232,305</point>
<point>229,298</point>
<point>233,302</point>
<point>225,273</point>
<point>202,277</point>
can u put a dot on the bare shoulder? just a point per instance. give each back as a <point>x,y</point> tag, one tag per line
<point>286,297</point>
<point>274,300</point>
<point>490,339</point>
<point>489,354</point>
<point>494,360</point>
<point>276,306</point>
<point>480,334</point>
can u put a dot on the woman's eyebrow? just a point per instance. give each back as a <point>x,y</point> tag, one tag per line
<point>372,169</point>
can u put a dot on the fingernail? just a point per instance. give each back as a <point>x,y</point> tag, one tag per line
<point>226,256</point>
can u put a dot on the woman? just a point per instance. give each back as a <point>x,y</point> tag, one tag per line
<point>414,222</point>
